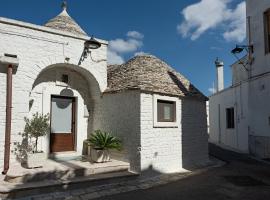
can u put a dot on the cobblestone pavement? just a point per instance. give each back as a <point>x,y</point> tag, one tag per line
<point>240,178</point>
<point>105,190</point>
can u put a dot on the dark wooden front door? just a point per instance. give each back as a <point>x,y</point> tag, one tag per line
<point>62,136</point>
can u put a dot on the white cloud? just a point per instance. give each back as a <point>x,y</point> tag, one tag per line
<point>140,53</point>
<point>237,26</point>
<point>114,58</point>
<point>124,46</point>
<point>210,14</point>
<point>135,34</point>
<point>118,47</point>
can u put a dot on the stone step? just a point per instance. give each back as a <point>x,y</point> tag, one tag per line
<point>55,170</point>
<point>18,190</point>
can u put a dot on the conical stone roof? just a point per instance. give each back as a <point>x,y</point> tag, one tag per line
<point>64,22</point>
<point>150,74</point>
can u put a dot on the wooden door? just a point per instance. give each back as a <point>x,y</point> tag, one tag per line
<point>62,137</point>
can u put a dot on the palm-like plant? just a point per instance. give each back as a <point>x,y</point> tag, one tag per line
<point>104,141</point>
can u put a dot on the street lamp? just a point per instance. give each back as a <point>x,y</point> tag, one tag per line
<point>239,49</point>
<point>89,45</point>
<point>92,44</point>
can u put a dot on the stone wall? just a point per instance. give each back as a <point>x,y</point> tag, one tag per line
<point>234,97</point>
<point>119,113</point>
<point>2,114</point>
<point>170,149</point>
<point>194,134</point>
<point>37,48</point>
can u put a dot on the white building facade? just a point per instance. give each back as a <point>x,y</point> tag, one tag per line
<point>52,78</point>
<point>240,114</point>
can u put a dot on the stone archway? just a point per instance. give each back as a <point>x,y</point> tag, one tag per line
<point>80,85</point>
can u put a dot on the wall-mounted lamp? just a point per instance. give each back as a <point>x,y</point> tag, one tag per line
<point>89,45</point>
<point>239,49</point>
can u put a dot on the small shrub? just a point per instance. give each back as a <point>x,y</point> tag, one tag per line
<point>104,141</point>
<point>36,127</point>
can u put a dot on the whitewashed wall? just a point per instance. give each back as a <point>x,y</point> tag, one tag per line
<point>119,113</point>
<point>259,117</point>
<point>2,114</point>
<point>239,73</point>
<point>130,115</point>
<point>249,95</point>
<point>236,138</point>
<point>170,149</point>
<point>37,48</point>
<point>259,98</point>
<point>255,10</point>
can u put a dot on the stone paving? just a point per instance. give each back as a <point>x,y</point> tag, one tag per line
<point>242,177</point>
<point>141,183</point>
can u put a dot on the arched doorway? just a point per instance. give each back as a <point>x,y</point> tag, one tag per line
<point>68,94</point>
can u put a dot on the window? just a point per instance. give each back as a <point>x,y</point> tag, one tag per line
<point>65,78</point>
<point>166,111</point>
<point>267,30</point>
<point>230,118</point>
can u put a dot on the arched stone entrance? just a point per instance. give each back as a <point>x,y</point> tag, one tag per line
<point>68,93</point>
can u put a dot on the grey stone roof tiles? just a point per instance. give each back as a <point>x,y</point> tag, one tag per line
<point>64,22</point>
<point>150,74</point>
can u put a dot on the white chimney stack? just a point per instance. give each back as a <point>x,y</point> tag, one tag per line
<point>220,75</point>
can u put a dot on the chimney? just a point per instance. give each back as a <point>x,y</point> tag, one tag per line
<point>220,75</point>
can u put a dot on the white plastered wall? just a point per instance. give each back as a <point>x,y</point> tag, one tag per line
<point>172,148</point>
<point>37,48</point>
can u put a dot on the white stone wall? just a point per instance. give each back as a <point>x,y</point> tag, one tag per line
<point>236,138</point>
<point>170,149</point>
<point>119,113</point>
<point>249,95</point>
<point>255,10</point>
<point>194,133</point>
<point>129,115</point>
<point>161,148</point>
<point>37,48</point>
<point>239,73</point>
<point>2,114</point>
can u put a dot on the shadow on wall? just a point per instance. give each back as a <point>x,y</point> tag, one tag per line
<point>194,134</point>
<point>194,128</point>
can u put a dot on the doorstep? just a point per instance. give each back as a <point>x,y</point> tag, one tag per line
<point>63,169</point>
<point>59,175</point>
<point>11,190</point>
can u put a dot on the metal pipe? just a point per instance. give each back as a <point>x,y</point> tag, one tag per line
<point>8,119</point>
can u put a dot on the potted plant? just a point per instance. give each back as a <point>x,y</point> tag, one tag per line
<point>36,127</point>
<point>101,143</point>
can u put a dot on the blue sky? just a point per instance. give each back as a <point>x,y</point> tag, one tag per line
<point>187,34</point>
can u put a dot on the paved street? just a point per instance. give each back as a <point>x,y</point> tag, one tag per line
<point>241,178</point>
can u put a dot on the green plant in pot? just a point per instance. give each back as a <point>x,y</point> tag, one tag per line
<point>101,143</point>
<point>37,126</point>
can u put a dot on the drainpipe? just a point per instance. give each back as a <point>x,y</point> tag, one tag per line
<point>8,119</point>
<point>10,61</point>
